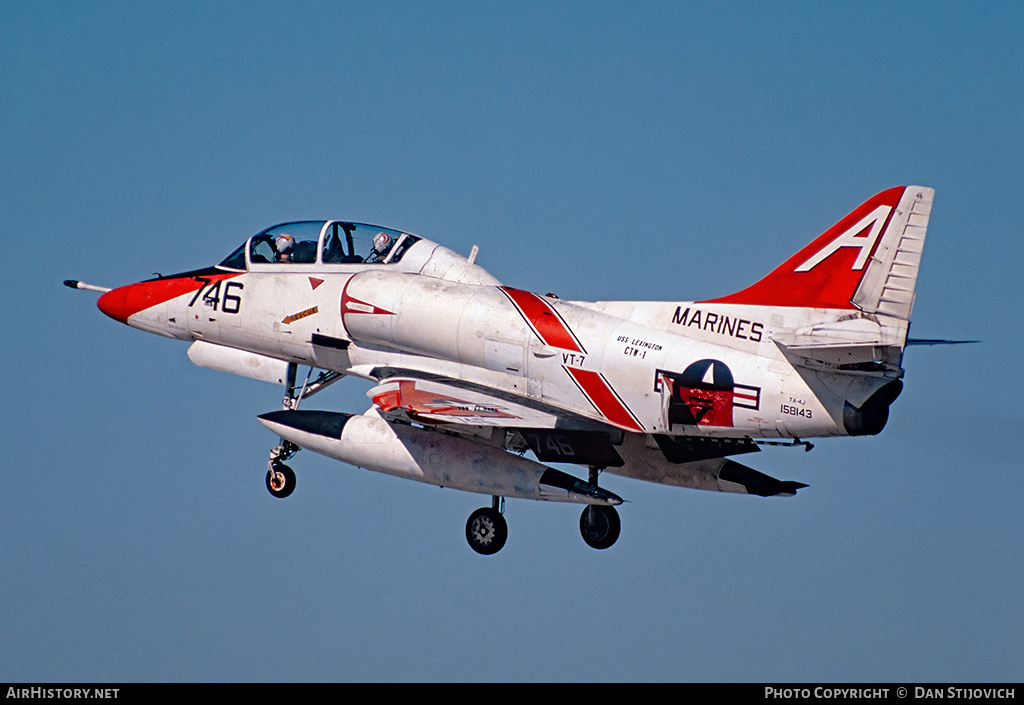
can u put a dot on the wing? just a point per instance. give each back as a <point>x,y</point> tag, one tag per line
<point>552,433</point>
<point>559,435</point>
<point>433,399</point>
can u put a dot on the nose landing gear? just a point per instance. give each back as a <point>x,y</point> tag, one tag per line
<point>280,477</point>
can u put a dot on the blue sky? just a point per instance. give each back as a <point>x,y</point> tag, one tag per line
<point>642,151</point>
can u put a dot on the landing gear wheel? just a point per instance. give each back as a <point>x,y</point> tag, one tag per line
<point>486,531</point>
<point>600,525</point>
<point>280,480</point>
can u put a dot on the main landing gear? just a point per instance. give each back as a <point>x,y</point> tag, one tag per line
<point>487,531</point>
<point>599,523</point>
<point>280,477</point>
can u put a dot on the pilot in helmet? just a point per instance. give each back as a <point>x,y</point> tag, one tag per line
<point>284,245</point>
<point>381,245</point>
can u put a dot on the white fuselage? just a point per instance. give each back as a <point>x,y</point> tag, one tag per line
<point>603,361</point>
<point>466,369</point>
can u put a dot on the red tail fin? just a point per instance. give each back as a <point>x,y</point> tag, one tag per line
<point>827,272</point>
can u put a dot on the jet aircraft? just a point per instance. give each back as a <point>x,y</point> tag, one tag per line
<point>467,374</point>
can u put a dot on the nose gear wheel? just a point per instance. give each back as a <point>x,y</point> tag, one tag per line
<point>280,480</point>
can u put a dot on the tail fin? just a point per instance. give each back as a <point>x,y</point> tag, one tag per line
<point>868,260</point>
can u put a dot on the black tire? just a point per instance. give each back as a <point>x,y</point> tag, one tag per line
<point>486,531</point>
<point>600,525</point>
<point>287,476</point>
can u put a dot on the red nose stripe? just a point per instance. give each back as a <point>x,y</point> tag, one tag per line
<point>124,302</point>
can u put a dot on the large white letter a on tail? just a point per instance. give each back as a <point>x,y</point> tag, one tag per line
<point>852,238</point>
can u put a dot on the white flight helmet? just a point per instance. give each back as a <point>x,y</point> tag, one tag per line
<point>284,242</point>
<point>381,243</point>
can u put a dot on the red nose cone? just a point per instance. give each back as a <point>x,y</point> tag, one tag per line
<point>125,301</point>
<point>115,303</point>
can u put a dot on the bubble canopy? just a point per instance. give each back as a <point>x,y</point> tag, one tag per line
<point>326,242</point>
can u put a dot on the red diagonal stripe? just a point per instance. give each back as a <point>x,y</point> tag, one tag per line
<point>596,387</point>
<point>543,319</point>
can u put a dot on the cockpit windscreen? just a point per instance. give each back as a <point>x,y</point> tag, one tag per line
<point>321,242</point>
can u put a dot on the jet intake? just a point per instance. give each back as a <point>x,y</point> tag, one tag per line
<point>370,442</point>
<point>468,323</point>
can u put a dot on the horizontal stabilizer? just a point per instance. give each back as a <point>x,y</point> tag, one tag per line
<point>865,357</point>
<point>937,341</point>
<point>851,332</point>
